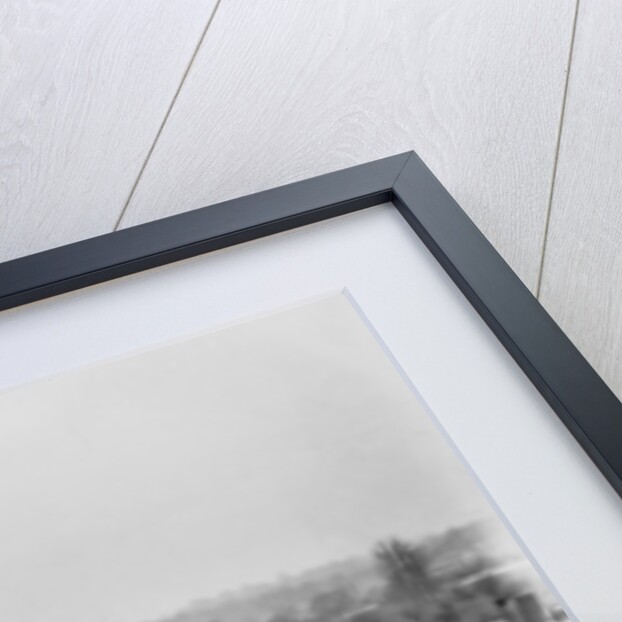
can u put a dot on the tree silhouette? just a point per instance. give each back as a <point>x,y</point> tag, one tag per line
<point>406,570</point>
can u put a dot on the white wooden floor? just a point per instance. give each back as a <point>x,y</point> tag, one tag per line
<point>116,113</point>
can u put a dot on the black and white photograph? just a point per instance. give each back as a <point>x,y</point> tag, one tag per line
<point>277,470</point>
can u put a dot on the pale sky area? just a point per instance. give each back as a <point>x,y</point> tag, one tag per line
<point>130,489</point>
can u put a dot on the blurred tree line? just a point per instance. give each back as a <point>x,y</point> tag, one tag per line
<point>456,576</point>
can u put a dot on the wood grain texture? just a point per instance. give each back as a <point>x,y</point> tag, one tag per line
<point>582,275</point>
<point>279,92</point>
<point>84,87</point>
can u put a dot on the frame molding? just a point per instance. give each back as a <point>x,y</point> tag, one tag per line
<point>572,388</point>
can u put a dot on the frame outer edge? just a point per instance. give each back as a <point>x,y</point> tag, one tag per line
<point>581,399</point>
<point>120,253</point>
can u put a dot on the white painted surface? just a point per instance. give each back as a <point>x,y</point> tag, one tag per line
<point>582,277</point>
<point>84,87</point>
<point>550,492</point>
<point>283,91</point>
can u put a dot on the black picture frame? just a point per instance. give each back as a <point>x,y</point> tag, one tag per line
<point>572,388</point>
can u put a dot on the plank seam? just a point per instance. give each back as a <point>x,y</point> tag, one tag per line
<point>166,115</point>
<point>547,217</point>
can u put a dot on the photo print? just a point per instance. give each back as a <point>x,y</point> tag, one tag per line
<point>278,470</point>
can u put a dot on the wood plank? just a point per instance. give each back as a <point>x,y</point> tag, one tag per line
<point>279,92</point>
<point>582,276</point>
<point>84,87</point>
